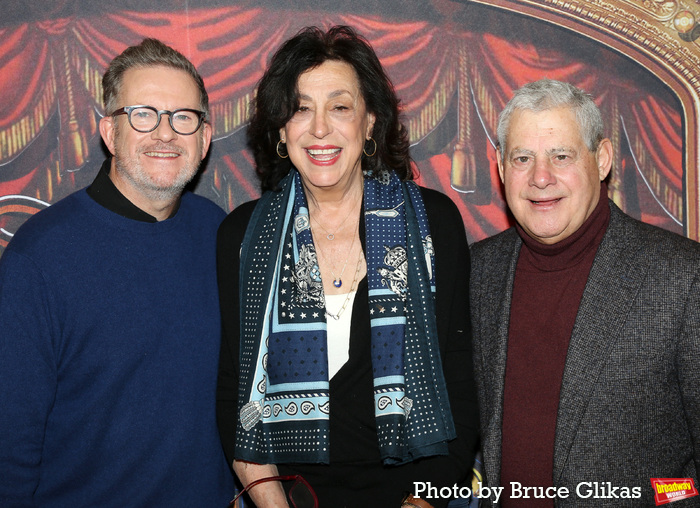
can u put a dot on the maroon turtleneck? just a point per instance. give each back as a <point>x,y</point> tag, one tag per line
<point>547,291</point>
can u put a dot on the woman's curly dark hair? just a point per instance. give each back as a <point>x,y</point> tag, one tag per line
<point>278,98</point>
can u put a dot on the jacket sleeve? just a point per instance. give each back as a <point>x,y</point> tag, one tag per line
<point>454,325</point>
<point>474,302</point>
<point>229,239</point>
<point>688,358</point>
<point>458,361</point>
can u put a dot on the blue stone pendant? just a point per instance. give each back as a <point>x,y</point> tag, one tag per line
<point>337,283</point>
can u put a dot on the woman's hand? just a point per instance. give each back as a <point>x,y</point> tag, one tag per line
<point>264,495</point>
<point>415,502</point>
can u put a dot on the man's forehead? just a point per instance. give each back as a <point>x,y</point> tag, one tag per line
<point>550,116</point>
<point>158,82</point>
<point>551,124</point>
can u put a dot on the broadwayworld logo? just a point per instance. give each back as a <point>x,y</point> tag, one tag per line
<point>668,490</point>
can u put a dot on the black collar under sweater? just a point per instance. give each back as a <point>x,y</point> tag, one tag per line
<point>106,194</point>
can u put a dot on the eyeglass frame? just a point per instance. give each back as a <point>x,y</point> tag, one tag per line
<point>296,477</point>
<point>126,110</point>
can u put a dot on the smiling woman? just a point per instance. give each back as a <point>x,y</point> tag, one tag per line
<point>355,341</point>
<point>327,133</point>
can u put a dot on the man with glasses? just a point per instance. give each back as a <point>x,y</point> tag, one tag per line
<point>110,317</point>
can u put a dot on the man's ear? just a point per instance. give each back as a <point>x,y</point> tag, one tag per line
<point>107,132</point>
<point>604,158</point>
<point>206,139</point>
<point>499,161</point>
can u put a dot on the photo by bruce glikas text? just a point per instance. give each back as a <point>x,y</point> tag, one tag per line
<point>584,490</point>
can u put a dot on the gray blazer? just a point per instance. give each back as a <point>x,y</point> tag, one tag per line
<point>629,408</point>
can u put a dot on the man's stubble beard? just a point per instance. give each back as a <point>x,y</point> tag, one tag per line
<point>132,170</point>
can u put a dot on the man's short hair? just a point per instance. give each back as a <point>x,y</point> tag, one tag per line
<point>150,53</point>
<point>547,94</point>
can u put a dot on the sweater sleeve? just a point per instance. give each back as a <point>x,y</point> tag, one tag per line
<point>28,375</point>
<point>229,241</point>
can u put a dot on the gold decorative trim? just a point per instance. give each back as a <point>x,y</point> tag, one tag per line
<point>17,136</point>
<point>228,116</point>
<point>424,120</point>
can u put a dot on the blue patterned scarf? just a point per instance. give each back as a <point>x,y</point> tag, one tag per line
<point>284,388</point>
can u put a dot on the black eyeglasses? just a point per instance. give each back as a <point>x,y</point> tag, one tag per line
<point>144,119</point>
<point>300,494</point>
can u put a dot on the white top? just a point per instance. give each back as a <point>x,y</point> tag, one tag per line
<point>338,331</point>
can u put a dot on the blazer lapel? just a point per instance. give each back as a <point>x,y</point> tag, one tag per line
<point>615,278</point>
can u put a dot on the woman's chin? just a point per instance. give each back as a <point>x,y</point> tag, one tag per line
<point>325,178</point>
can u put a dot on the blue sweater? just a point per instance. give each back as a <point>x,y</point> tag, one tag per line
<point>109,345</point>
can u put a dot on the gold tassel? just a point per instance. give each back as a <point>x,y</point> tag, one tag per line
<point>77,145</point>
<point>615,190</point>
<point>463,174</point>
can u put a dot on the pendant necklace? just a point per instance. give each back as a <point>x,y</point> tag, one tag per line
<point>353,287</point>
<point>338,280</point>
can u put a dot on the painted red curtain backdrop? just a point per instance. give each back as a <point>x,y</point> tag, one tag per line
<point>28,95</point>
<point>657,127</point>
<point>452,81</point>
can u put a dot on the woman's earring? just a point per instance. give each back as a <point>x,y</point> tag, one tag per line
<point>364,150</point>
<point>280,142</point>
